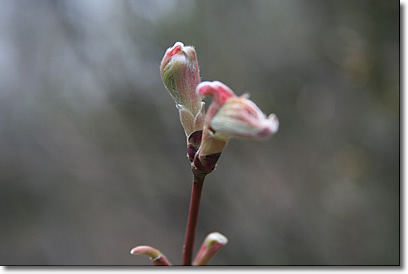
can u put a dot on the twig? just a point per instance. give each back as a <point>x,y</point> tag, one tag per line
<point>193,216</point>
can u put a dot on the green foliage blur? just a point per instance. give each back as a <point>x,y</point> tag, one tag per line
<point>93,156</point>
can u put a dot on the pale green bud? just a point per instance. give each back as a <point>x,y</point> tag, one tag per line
<point>180,74</point>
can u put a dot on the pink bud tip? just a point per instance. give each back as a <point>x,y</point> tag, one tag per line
<point>217,90</point>
<point>175,49</point>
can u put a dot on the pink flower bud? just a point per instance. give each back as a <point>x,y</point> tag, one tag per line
<point>180,74</point>
<point>240,117</point>
<point>231,116</point>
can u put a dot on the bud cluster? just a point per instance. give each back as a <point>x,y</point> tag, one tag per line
<point>227,116</point>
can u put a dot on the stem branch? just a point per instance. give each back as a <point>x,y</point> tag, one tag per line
<point>193,216</point>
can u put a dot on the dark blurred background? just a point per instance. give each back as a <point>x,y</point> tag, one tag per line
<point>92,154</point>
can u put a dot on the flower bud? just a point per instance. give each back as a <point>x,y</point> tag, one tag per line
<point>231,116</point>
<point>180,74</point>
<point>240,117</point>
<point>212,243</point>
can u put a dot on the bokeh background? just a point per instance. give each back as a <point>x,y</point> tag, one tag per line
<point>93,159</point>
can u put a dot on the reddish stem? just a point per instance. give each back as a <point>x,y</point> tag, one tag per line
<point>161,261</point>
<point>193,216</point>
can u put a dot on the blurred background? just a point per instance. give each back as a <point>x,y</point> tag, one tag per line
<point>92,154</point>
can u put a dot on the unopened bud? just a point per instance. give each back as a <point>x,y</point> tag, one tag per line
<point>180,74</point>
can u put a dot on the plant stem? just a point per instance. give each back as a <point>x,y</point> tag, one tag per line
<point>193,216</point>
